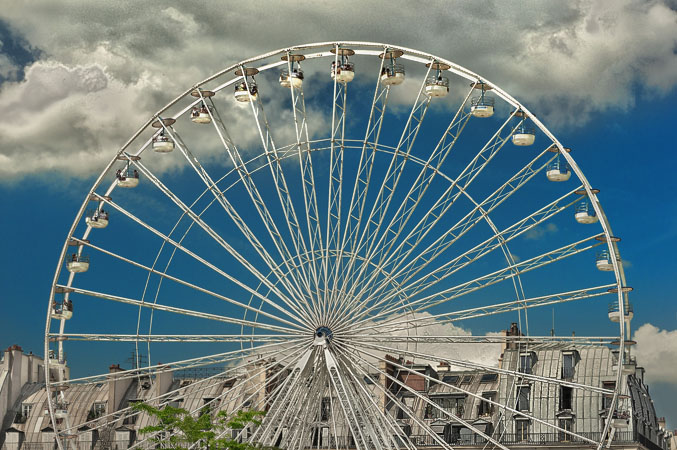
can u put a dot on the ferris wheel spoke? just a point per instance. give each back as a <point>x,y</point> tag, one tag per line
<point>202,361</point>
<point>101,337</point>
<point>350,412</point>
<point>413,198</point>
<point>286,389</point>
<point>312,211</point>
<point>335,177</point>
<point>394,324</point>
<point>283,399</point>
<point>517,341</point>
<point>480,212</point>
<point>489,245</point>
<point>442,205</point>
<point>382,421</point>
<point>307,412</point>
<point>248,398</point>
<point>165,398</point>
<point>247,181</point>
<point>223,202</point>
<point>242,305</point>
<point>196,219</point>
<point>180,311</point>
<point>283,192</point>
<point>505,273</point>
<point>375,219</point>
<point>373,339</point>
<point>395,401</point>
<point>363,173</point>
<point>505,407</point>
<point>425,400</point>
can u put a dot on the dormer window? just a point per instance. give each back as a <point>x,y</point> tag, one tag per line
<point>527,361</point>
<point>569,360</point>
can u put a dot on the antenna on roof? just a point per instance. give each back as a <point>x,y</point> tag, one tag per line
<point>136,360</point>
<point>552,330</point>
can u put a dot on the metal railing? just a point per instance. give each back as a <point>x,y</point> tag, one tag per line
<point>613,307</point>
<point>420,441</point>
<point>528,438</point>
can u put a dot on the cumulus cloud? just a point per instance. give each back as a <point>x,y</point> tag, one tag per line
<point>657,352</point>
<point>103,70</point>
<point>422,324</point>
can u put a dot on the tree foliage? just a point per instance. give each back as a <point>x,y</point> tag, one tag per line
<point>177,429</point>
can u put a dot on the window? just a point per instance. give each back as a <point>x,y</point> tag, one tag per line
<point>565,423</point>
<point>565,397</point>
<point>523,398</point>
<point>209,405</point>
<point>489,377</point>
<point>453,405</point>
<point>26,409</point>
<point>467,379</point>
<point>325,412</point>
<point>368,379</point>
<point>606,399</point>
<point>486,408</point>
<point>568,363</point>
<point>450,379</point>
<point>526,362</point>
<point>521,429</point>
<point>99,409</point>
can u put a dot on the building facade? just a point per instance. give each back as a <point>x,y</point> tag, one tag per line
<point>513,404</point>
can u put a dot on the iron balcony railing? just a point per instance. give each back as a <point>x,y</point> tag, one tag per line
<point>420,441</point>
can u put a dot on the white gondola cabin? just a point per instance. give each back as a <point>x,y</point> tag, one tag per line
<point>293,79</point>
<point>162,143</point>
<point>55,362</point>
<point>615,314</point>
<point>243,95</point>
<point>342,70</point>
<point>97,218</point>
<point>127,178</point>
<point>344,73</point>
<point>200,114</point>
<point>524,136</point>
<point>437,85</point>
<point>558,170</point>
<point>392,74</point>
<point>603,261</point>
<point>62,310</point>
<point>60,411</point>
<point>77,263</point>
<point>483,105</point>
<point>291,76</point>
<point>585,213</point>
<point>620,419</point>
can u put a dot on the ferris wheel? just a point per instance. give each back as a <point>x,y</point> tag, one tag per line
<point>322,224</point>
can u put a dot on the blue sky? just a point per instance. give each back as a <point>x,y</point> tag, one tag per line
<point>77,82</point>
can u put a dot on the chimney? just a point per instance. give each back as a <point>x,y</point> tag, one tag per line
<point>116,387</point>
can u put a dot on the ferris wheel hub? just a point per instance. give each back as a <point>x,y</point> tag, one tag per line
<point>323,335</point>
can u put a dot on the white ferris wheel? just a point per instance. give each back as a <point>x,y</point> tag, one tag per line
<point>333,216</point>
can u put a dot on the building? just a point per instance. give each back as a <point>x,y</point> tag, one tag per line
<point>458,405</point>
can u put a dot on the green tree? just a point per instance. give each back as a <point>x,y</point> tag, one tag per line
<point>178,429</point>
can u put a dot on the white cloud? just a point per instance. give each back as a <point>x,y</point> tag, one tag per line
<point>657,353</point>
<point>422,324</point>
<point>106,68</point>
<point>538,232</point>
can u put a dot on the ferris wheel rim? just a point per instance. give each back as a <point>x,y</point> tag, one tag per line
<point>617,267</point>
